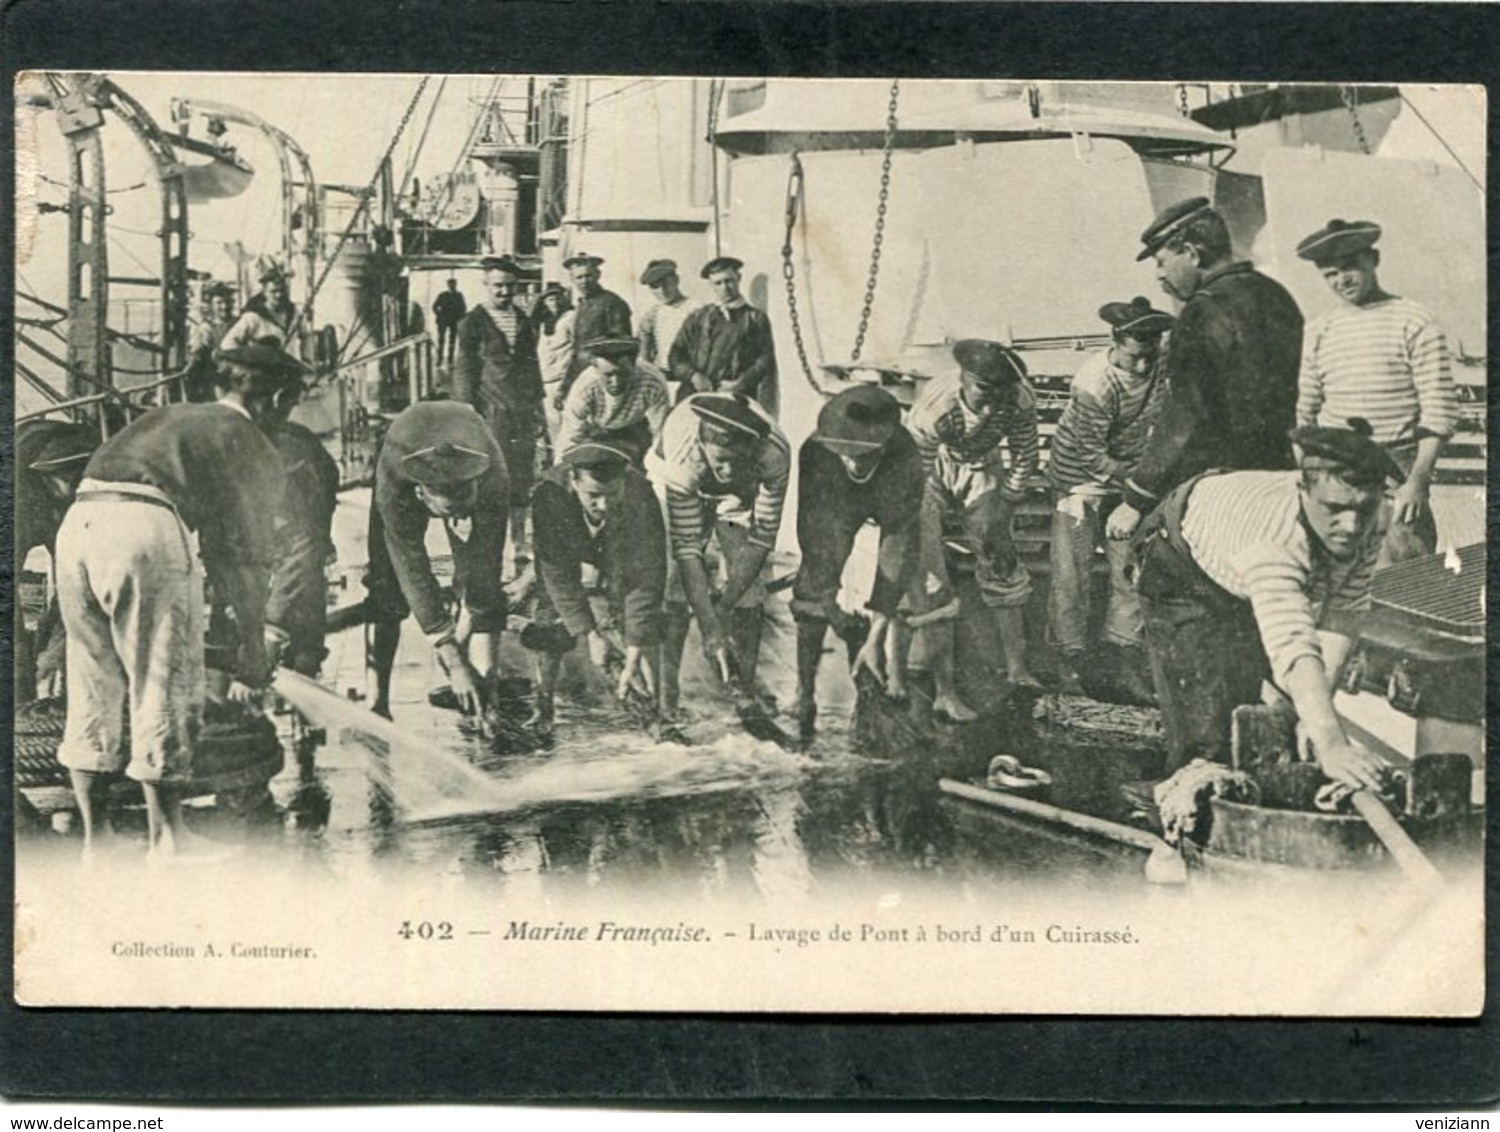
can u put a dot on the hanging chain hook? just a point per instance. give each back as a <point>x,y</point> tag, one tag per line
<point>788,268</point>
<point>880,210</point>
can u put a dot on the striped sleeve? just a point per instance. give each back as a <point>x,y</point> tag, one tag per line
<point>684,522</point>
<point>1310,377</point>
<point>770,495</point>
<point>1022,439</point>
<point>1432,373</point>
<point>1277,580</point>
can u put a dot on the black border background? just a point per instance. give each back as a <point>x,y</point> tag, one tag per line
<point>692,1060</point>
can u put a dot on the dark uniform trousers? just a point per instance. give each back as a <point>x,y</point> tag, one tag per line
<point>1203,642</point>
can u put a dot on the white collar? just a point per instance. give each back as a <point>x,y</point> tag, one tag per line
<point>237,407</point>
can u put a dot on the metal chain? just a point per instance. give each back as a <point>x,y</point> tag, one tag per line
<point>1346,92</point>
<point>1182,100</point>
<point>364,204</point>
<point>880,210</point>
<point>789,270</point>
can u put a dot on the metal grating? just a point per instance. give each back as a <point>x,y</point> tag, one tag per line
<point>1444,590</point>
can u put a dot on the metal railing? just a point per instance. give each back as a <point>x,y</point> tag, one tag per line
<point>372,389</point>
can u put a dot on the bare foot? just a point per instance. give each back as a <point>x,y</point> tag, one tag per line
<point>187,850</point>
<point>951,709</point>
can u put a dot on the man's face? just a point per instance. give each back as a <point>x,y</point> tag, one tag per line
<point>861,466</point>
<point>669,290</point>
<point>726,284</point>
<point>1339,514</point>
<point>500,288</point>
<point>553,301</point>
<point>597,497</point>
<point>275,290</point>
<point>981,396</point>
<point>218,307</point>
<point>725,460</point>
<point>452,502</point>
<point>615,373</point>
<point>1137,355</point>
<point>585,278</point>
<point>1177,271</point>
<point>1352,279</point>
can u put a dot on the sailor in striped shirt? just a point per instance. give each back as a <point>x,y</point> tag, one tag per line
<point>1114,400</point>
<point>1252,576</point>
<point>960,424</point>
<point>1385,359</point>
<point>616,396</point>
<point>721,467</point>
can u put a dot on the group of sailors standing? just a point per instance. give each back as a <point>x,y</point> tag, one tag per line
<point>1242,475</point>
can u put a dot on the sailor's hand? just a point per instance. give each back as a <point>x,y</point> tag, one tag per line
<point>1410,502</point>
<point>242,693</point>
<point>871,656</point>
<point>463,625</point>
<point>635,674</point>
<point>275,641</point>
<point>462,678</point>
<point>1122,522</point>
<point>716,651</point>
<point>701,384</point>
<point>1351,763</point>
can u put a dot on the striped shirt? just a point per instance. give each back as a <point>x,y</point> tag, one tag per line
<point>1246,532</point>
<point>1102,432</point>
<point>591,408</point>
<point>1386,361</point>
<point>659,327</point>
<point>677,466</point>
<point>941,417</point>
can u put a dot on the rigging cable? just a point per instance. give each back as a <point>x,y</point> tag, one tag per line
<point>1443,142</point>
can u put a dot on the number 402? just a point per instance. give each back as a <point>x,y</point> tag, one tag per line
<point>425,929</point>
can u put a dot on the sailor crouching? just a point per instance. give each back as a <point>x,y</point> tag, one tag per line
<point>1262,575</point>
<point>438,461</point>
<point>131,592</point>
<point>859,465</point>
<point>594,508</point>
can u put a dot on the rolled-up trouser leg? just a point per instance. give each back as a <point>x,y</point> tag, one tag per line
<point>1122,617</point>
<point>1002,579</point>
<point>1072,559</point>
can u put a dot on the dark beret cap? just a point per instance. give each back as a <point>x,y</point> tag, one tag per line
<point>721,263</point>
<point>658,270</point>
<point>1349,451</point>
<point>1339,239</point>
<point>1168,221</point>
<point>1136,317</point>
<point>990,362</point>
<point>445,464</point>
<point>859,419</point>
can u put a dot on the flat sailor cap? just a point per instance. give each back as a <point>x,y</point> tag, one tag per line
<point>990,362</point>
<point>730,411</point>
<point>1339,239</point>
<point>583,259</point>
<point>858,420</point>
<point>611,347</point>
<point>1136,317</point>
<point>1169,221</point>
<point>1348,450</point>
<point>553,288</point>
<point>721,263</point>
<point>267,268</point>
<point>445,464</point>
<point>598,452</point>
<point>501,263</point>
<point>658,270</point>
<point>273,367</point>
<point>65,448</point>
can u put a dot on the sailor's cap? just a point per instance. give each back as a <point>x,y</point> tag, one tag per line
<point>1350,451</point>
<point>271,366</point>
<point>583,259</point>
<point>613,346</point>
<point>599,452</point>
<point>502,263</point>
<point>1170,221</point>
<point>1339,239</point>
<point>65,449</point>
<point>857,420</point>
<point>721,263</point>
<point>267,268</point>
<point>445,464</point>
<point>990,362</point>
<point>1137,318</point>
<point>730,411</point>
<point>657,271</point>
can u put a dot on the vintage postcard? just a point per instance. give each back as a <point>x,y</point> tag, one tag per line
<point>562,542</point>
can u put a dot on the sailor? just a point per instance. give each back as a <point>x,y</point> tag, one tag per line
<point>1384,358</point>
<point>297,608</point>
<point>721,466</point>
<point>498,376</point>
<point>661,323</point>
<point>597,314</point>
<point>601,558</point>
<point>268,314</point>
<point>1252,576</point>
<point>552,323</point>
<point>961,423</point>
<point>208,334</point>
<point>448,310</point>
<point>858,466</point>
<point>1114,400</point>
<point>438,461</point>
<point>1232,366</point>
<point>617,396</point>
<point>49,458</point>
<point>726,346</point>
<point>131,591</point>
